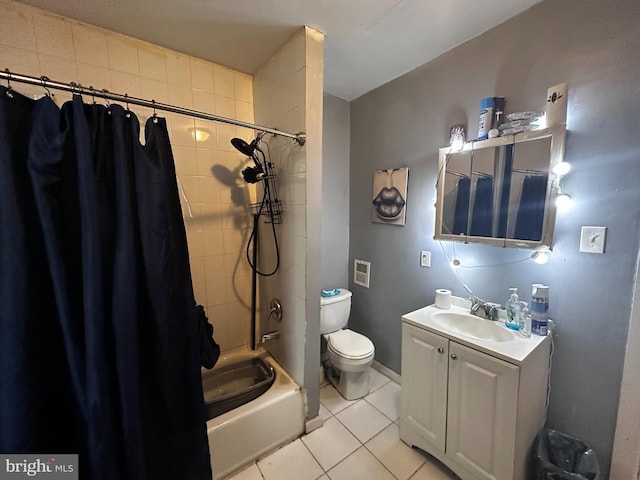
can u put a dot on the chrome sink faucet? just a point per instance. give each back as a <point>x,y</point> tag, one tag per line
<point>483,309</point>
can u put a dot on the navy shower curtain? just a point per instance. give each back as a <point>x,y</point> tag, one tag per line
<point>482,214</point>
<point>461,213</point>
<point>98,322</point>
<point>530,218</point>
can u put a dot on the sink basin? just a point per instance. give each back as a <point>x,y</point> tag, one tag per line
<point>471,326</point>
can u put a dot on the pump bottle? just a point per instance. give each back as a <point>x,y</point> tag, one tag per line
<point>513,310</point>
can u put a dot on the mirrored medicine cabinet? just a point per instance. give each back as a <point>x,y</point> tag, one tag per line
<point>500,191</point>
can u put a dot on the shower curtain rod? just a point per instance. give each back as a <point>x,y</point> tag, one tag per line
<point>73,87</point>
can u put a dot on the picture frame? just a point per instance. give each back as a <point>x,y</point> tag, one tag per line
<point>389,202</point>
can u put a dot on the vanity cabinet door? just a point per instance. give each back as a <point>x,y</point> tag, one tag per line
<point>483,396</point>
<point>424,394</point>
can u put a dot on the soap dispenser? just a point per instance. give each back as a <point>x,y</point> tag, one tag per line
<point>513,310</point>
<point>525,320</point>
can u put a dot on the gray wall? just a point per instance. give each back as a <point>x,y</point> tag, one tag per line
<point>592,45</point>
<point>334,269</point>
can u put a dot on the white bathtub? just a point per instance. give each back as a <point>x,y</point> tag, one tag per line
<point>242,435</point>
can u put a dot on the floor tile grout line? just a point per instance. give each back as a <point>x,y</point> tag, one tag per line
<point>353,433</point>
<point>361,444</point>
<point>380,462</point>
<point>424,460</point>
<point>386,416</point>
<point>318,462</point>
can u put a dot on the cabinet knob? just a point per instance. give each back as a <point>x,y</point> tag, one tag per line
<point>453,356</point>
<point>440,350</point>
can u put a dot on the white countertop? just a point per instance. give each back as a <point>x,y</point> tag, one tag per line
<point>512,351</point>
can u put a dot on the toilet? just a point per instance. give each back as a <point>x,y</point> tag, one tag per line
<point>350,353</point>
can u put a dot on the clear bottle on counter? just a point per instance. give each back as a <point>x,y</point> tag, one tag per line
<point>525,320</point>
<point>513,310</point>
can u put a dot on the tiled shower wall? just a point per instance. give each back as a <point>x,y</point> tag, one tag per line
<point>288,96</point>
<point>36,43</point>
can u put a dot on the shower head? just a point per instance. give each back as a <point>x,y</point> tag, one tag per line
<point>247,148</point>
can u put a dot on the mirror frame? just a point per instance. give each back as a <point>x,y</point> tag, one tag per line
<point>556,155</point>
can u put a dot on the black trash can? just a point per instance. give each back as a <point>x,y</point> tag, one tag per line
<point>558,456</point>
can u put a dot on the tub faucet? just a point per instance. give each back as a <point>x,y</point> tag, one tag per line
<point>270,336</point>
<point>483,309</point>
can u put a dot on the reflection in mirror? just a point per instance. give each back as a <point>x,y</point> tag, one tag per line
<point>499,191</point>
<point>469,194</point>
<point>457,185</point>
<point>528,165</point>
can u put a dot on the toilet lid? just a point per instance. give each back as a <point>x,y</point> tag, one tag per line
<point>350,344</point>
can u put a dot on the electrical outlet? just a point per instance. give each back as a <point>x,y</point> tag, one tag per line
<point>592,239</point>
<point>425,258</point>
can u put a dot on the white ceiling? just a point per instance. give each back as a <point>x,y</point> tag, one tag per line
<point>367,42</point>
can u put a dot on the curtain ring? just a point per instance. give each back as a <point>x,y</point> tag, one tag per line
<point>155,115</point>
<point>75,88</point>
<point>126,102</point>
<point>105,92</point>
<point>44,79</point>
<point>9,92</point>
<point>93,94</point>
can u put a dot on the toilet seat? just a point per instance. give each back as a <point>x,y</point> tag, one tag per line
<point>349,344</point>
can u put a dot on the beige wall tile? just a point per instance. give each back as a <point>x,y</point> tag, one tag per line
<point>212,243</point>
<point>191,212</point>
<point>225,134</point>
<point>90,45</point>
<point>53,35</point>
<point>128,83</point>
<point>184,160</point>
<point>210,217</point>
<point>235,264</point>
<point>153,63</point>
<point>190,189</point>
<point>232,239</point>
<point>94,76</point>
<point>210,190</point>
<point>178,70</point>
<point>215,280</point>
<point>243,85</point>
<point>225,107</point>
<point>204,162</point>
<point>223,81</point>
<point>203,101</point>
<point>233,215</point>
<point>205,135</point>
<point>182,130</point>
<point>201,75</point>
<point>180,96</point>
<point>195,244</point>
<point>19,61</point>
<point>154,90</point>
<point>58,68</point>
<point>123,54</point>
<point>244,111</point>
<point>16,28</point>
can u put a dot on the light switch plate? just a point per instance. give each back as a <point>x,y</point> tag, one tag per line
<point>592,239</point>
<point>425,258</point>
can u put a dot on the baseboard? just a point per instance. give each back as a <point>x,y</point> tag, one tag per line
<point>387,372</point>
<point>313,424</point>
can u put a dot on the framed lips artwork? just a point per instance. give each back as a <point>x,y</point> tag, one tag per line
<point>389,204</point>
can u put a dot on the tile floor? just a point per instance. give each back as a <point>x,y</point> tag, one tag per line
<point>359,440</point>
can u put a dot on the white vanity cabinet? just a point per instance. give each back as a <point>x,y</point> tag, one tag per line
<point>474,411</point>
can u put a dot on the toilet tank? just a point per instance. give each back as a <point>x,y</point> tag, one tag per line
<point>334,311</point>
